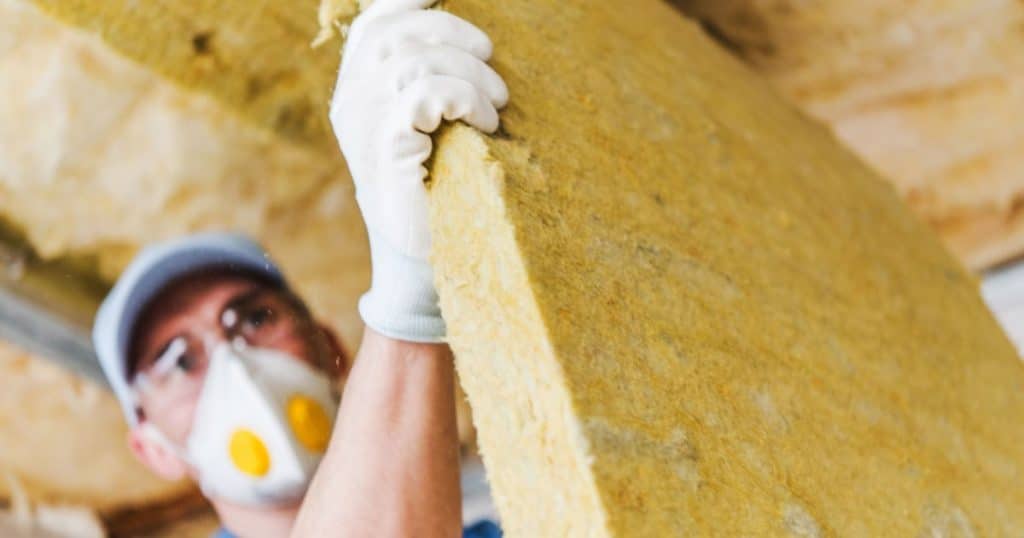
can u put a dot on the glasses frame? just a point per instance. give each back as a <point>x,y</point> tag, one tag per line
<point>289,307</point>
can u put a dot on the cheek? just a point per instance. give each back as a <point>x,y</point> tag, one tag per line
<point>299,347</point>
<point>171,416</point>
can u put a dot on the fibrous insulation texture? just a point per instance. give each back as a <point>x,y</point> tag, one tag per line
<point>681,308</point>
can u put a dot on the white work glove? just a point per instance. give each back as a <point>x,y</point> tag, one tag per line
<point>404,69</point>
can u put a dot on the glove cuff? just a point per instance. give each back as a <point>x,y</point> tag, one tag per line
<point>408,326</point>
<point>402,302</point>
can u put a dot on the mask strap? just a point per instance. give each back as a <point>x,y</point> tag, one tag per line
<point>153,433</point>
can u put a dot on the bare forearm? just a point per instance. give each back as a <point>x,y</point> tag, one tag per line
<point>393,465</point>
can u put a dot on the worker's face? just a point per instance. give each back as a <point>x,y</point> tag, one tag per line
<point>178,331</point>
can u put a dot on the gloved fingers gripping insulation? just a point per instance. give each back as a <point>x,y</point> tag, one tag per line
<point>452,62</point>
<point>403,139</point>
<point>405,148</point>
<point>419,109</point>
<point>405,69</point>
<point>439,97</point>
<point>389,34</point>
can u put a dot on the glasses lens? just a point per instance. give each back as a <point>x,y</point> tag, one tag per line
<point>262,319</point>
<point>181,363</point>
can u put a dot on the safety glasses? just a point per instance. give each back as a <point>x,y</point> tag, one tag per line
<point>262,317</point>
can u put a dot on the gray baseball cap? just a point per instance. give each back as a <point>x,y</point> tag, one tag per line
<point>152,269</point>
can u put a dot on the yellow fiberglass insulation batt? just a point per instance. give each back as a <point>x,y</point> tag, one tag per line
<point>680,308</point>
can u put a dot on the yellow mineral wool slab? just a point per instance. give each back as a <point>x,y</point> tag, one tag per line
<point>680,308</point>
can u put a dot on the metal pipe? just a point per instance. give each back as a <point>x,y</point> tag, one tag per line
<point>47,307</point>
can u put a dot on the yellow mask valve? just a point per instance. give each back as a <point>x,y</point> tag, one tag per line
<point>248,453</point>
<point>309,422</point>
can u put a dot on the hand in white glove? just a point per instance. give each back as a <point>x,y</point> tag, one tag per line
<point>404,69</point>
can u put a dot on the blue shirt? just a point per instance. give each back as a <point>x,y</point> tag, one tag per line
<point>481,529</point>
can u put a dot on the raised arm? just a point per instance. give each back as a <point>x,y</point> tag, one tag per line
<point>392,465</point>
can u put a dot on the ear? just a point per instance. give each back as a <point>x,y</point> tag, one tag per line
<point>154,453</point>
<point>341,361</point>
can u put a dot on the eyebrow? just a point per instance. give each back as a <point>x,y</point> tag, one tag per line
<point>241,299</point>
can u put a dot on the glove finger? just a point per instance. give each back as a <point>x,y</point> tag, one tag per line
<point>387,35</point>
<point>401,201</point>
<point>377,10</point>
<point>429,100</point>
<point>453,62</point>
<point>406,149</point>
<point>402,139</point>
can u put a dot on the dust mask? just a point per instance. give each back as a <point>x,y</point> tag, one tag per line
<point>261,426</point>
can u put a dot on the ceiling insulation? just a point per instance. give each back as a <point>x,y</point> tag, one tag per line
<point>930,93</point>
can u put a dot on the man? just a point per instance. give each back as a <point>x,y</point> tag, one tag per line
<point>224,376</point>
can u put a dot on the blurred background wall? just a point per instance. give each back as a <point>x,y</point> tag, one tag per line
<point>930,93</point>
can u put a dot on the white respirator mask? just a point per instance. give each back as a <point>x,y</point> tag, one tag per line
<point>261,426</point>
